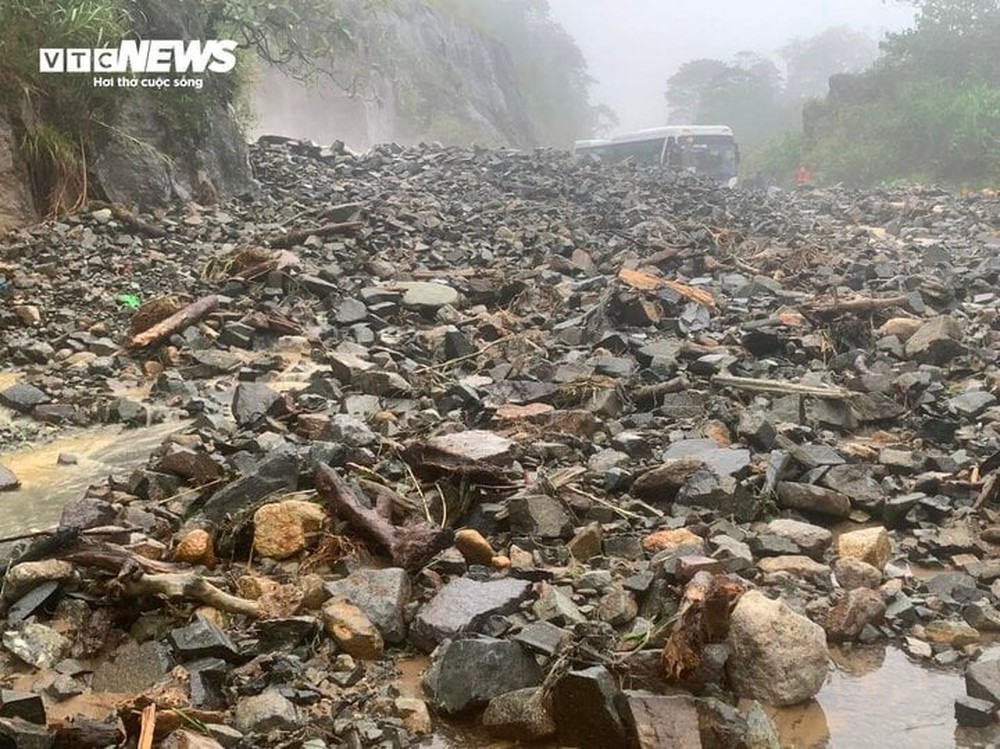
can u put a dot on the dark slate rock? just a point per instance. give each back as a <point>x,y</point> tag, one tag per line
<point>87,513</point>
<point>464,605</point>
<point>973,712</point>
<point>31,601</point>
<point>724,461</point>
<point>583,705</point>
<point>132,669</point>
<point>202,639</point>
<point>24,705</point>
<point>278,471</point>
<point>23,397</point>
<point>539,515</point>
<point>18,733</point>
<point>542,637</point>
<point>469,673</point>
<point>253,401</point>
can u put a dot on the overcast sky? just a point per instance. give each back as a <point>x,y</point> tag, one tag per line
<point>633,46</point>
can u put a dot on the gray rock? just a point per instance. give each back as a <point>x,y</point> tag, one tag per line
<point>23,397</point>
<point>776,655</point>
<point>556,607</point>
<point>812,498</point>
<point>809,539</point>
<point>464,606</point>
<point>469,673</point>
<point>202,639</point>
<point>427,296</point>
<point>132,669</point>
<point>265,712</point>
<point>274,472</point>
<point>253,401</point>
<point>982,680</point>
<point>8,481</point>
<point>585,710</point>
<point>350,430</point>
<point>539,515</point>
<point>724,461</point>
<point>87,513</point>
<point>36,644</point>
<point>381,594</point>
<point>543,637</point>
<point>937,341</point>
<point>973,712</point>
<point>24,705</point>
<point>735,555</point>
<point>982,616</point>
<point>520,715</point>
<point>972,403</point>
<point>350,311</point>
<point>855,480</point>
<point>21,734</point>
<point>861,607</point>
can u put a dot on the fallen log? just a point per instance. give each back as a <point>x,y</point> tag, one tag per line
<point>854,306</point>
<point>409,546</point>
<point>186,586</point>
<point>644,396</point>
<point>781,387</point>
<point>292,238</point>
<point>84,733</point>
<point>176,322</point>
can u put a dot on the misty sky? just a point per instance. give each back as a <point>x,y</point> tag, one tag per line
<point>632,46</point>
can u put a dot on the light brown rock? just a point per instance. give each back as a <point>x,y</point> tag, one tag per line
<point>673,541</point>
<point>415,715</point>
<point>27,575</point>
<point>285,528</point>
<point>352,630</point>
<point>797,565</point>
<point>901,327</point>
<point>870,545</point>
<point>853,573</point>
<point>196,548</point>
<point>474,547</point>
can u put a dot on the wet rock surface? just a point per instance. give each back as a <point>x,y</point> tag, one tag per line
<point>566,428</point>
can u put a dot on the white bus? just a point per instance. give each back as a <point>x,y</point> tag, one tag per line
<point>703,149</point>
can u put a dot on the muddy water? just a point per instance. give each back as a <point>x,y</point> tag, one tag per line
<point>877,697</point>
<point>46,486</point>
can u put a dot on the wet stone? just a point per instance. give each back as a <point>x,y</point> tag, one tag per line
<point>973,712</point>
<point>585,710</point>
<point>811,540</point>
<point>23,397</point>
<point>465,606</point>
<point>36,644</point>
<point>21,734</point>
<point>520,715</point>
<point>381,594</point>
<point>542,637</point>
<point>469,673</point>
<point>8,481</point>
<point>23,705</point>
<point>982,680</point>
<point>813,498</point>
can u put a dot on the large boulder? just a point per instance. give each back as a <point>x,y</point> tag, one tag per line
<point>776,655</point>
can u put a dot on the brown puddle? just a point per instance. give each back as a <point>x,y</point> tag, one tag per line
<point>878,697</point>
<point>46,486</point>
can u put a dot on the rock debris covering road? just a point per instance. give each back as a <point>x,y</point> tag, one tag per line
<point>545,423</point>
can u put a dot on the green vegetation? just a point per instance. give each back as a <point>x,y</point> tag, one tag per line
<point>928,110</point>
<point>57,112</point>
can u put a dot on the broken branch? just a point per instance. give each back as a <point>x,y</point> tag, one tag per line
<point>176,322</point>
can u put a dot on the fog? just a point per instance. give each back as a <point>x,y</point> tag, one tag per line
<point>633,46</point>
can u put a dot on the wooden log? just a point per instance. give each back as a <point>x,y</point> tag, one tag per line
<point>409,546</point>
<point>84,733</point>
<point>781,387</point>
<point>148,726</point>
<point>651,393</point>
<point>190,587</point>
<point>292,238</point>
<point>120,212</point>
<point>176,322</point>
<point>854,306</point>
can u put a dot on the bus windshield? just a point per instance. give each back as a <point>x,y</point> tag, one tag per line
<point>713,153</point>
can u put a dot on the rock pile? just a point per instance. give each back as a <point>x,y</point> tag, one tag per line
<point>556,428</point>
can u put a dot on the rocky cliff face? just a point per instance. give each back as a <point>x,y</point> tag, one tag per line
<point>17,208</point>
<point>418,74</point>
